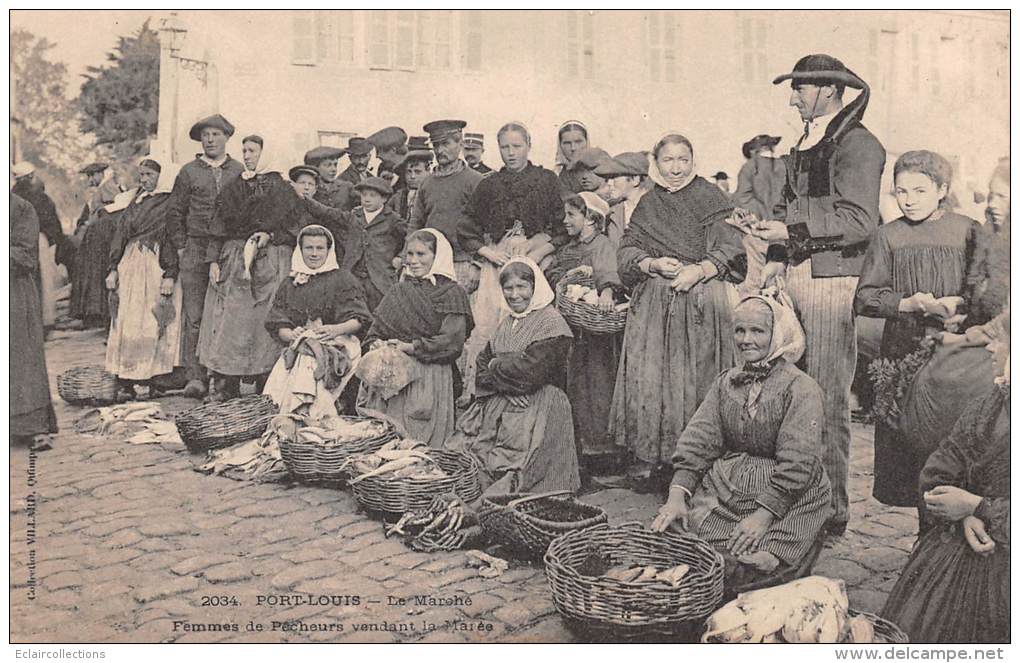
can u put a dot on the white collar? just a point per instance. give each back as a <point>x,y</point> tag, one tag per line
<point>370,216</point>
<point>816,130</point>
<point>218,163</point>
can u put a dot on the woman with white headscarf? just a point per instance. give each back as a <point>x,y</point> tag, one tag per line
<point>145,330</point>
<point>748,471</point>
<point>257,219</point>
<point>520,427</point>
<point>676,254</point>
<point>317,314</point>
<point>426,316</point>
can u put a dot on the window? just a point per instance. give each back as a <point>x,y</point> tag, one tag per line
<point>410,40</point>
<point>434,33</point>
<point>754,37</point>
<point>471,40</point>
<point>580,44</point>
<point>661,36</point>
<point>323,37</point>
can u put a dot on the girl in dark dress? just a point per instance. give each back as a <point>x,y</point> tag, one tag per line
<point>316,316</point>
<point>913,276</point>
<point>427,316</point>
<point>258,214</point>
<point>955,586</point>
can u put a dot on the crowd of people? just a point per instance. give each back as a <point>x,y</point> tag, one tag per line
<point>425,293</point>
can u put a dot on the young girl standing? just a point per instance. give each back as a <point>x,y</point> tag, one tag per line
<point>913,274</point>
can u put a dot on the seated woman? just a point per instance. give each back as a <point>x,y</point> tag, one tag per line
<point>427,316</point>
<point>520,428</point>
<point>316,312</point>
<point>145,336</point>
<point>955,586</point>
<point>749,477</point>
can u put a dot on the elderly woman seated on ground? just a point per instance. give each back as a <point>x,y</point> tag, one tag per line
<point>520,427</point>
<point>749,478</point>
<point>317,313</point>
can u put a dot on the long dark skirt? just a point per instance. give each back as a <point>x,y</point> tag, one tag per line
<point>89,296</point>
<point>590,381</point>
<point>948,593</point>
<point>31,407</point>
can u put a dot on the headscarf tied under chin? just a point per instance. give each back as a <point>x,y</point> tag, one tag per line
<point>268,162</point>
<point>543,295</point>
<point>299,271</point>
<point>562,162</point>
<point>656,175</point>
<point>787,343</point>
<point>442,264</point>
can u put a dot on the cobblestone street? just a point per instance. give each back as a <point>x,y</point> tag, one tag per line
<point>129,541</point>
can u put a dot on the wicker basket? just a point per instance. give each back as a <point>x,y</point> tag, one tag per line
<point>526,524</point>
<point>626,609</point>
<point>89,385</point>
<point>218,425</point>
<point>398,495</point>
<point>886,633</point>
<point>584,315</point>
<point>309,462</point>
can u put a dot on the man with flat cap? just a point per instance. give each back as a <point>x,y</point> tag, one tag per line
<point>828,212</point>
<point>359,151</point>
<point>474,148</point>
<point>192,205</point>
<point>390,145</point>
<point>331,190</point>
<point>411,171</point>
<point>445,195</point>
<point>627,177</point>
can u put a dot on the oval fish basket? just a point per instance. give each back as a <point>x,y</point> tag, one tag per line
<point>87,385</point>
<point>584,315</point>
<point>526,524</point>
<point>398,495</point>
<point>218,425</point>
<point>317,463</point>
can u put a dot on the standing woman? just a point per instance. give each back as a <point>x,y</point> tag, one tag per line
<point>89,296</point>
<point>675,253</point>
<point>31,407</point>
<point>515,211</point>
<point>520,427</point>
<point>145,334</point>
<point>571,141</point>
<point>255,228</point>
<point>428,316</point>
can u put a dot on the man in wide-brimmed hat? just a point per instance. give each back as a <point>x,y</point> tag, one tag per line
<point>443,199</point>
<point>828,213</point>
<point>359,151</point>
<point>192,206</point>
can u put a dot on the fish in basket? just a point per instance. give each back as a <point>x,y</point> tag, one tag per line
<point>317,451</point>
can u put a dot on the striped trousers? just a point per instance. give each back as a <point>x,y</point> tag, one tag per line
<point>825,306</point>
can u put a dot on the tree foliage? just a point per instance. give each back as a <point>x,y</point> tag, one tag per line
<point>45,121</point>
<point>119,102</point>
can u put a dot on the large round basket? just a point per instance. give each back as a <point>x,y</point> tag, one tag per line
<point>322,464</point>
<point>526,524</point>
<point>585,315</point>
<point>218,425</point>
<point>599,605</point>
<point>88,385</point>
<point>886,632</point>
<point>398,495</point>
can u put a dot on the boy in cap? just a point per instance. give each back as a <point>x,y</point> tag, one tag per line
<point>722,180</point>
<point>412,170</point>
<point>445,195</point>
<point>474,147</point>
<point>192,205</point>
<point>762,177</point>
<point>584,169</point>
<point>827,215</point>
<point>331,190</point>
<point>627,175</point>
<point>359,151</point>
<point>390,145</point>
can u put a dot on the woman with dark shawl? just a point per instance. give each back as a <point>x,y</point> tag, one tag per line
<point>145,332</point>
<point>955,586</point>
<point>256,222</point>
<point>520,427</point>
<point>426,316</point>
<point>317,314</point>
<point>675,254</point>
<point>31,407</point>
<point>89,296</point>
<point>749,476</point>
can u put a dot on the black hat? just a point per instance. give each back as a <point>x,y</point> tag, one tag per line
<point>443,129</point>
<point>302,169</point>
<point>216,121</point>
<point>375,184</point>
<point>758,142</point>
<point>317,154</point>
<point>96,167</point>
<point>418,150</point>
<point>390,137</point>
<point>720,176</point>
<point>358,147</point>
<point>821,69</point>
